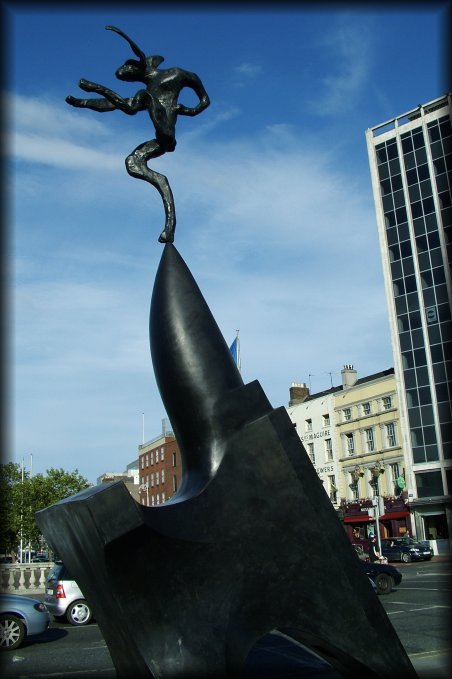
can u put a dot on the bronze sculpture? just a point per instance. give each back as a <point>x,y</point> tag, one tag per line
<point>235,559</point>
<point>160,100</point>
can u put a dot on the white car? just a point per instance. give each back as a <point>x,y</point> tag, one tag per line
<point>64,597</point>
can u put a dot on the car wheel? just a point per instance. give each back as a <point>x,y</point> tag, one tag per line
<point>406,558</point>
<point>12,632</point>
<point>384,583</point>
<point>79,613</point>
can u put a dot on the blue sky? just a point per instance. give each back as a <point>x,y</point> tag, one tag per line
<point>273,199</point>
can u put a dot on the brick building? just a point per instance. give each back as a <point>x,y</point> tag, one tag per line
<point>159,468</point>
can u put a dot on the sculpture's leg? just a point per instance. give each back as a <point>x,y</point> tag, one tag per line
<point>136,165</point>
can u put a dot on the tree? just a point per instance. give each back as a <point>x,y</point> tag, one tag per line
<point>10,478</point>
<point>22,496</point>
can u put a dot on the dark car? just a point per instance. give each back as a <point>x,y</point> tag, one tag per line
<point>384,575</point>
<point>405,549</point>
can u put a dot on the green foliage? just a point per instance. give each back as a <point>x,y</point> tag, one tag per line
<point>21,496</point>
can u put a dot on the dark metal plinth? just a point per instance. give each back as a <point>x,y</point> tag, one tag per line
<point>250,544</point>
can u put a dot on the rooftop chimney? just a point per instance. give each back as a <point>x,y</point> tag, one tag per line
<point>349,376</point>
<point>298,393</point>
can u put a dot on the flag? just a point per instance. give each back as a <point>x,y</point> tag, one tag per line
<point>235,351</point>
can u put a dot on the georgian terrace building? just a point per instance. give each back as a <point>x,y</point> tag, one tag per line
<point>352,435</point>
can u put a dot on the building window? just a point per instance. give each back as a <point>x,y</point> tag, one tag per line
<point>387,403</point>
<point>370,442</point>
<point>147,460</point>
<point>158,498</point>
<point>152,457</point>
<point>174,483</point>
<point>366,408</point>
<point>163,476</point>
<point>162,453</point>
<point>142,462</point>
<point>326,420</point>
<point>332,488</point>
<point>328,450</point>
<point>311,452</point>
<point>174,459</point>
<point>391,439</point>
<point>347,414</point>
<point>395,474</point>
<point>152,480</point>
<point>157,481</point>
<point>354,487</point>
<point>153,501</point>
<point>308,425</point>
<point>374,484</point>
<point>163,497</point>
<point>156,455</point>
<point>429,484</point>
<point>350,444</point>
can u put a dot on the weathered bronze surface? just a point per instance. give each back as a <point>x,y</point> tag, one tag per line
<point>161,100</point>
<point>251,542</point>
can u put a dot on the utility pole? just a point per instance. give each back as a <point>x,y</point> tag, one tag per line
<point>22,517</point>
<point>378,505</point>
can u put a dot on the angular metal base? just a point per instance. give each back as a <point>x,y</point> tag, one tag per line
<point>251,544</point>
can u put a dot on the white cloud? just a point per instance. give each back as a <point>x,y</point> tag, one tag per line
<point>347,50</point>
<point>282,243</point>
<point>248,70</point>
<point>49,118</point>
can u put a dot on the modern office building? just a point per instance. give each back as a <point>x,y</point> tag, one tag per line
<point>410,159</point>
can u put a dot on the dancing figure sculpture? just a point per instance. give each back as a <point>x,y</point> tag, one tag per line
<point>160,100</point>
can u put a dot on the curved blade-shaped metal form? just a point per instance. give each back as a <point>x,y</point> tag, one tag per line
<point>193,366</point>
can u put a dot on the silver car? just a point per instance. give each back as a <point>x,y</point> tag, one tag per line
<point>20,617</point>
<point>64,598</point>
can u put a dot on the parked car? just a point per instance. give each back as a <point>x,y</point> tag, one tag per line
<point>20,617</point>
<point>64,598</point>
<point>405,549</point>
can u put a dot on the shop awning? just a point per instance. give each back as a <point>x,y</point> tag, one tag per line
<point>364,518</point>
<point>360,518</point>
<point>394,515</point>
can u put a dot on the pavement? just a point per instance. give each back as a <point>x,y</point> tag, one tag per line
<point>432,665</point>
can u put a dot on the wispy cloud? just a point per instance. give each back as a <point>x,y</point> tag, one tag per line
<point>248,70</point>
<point>347,51</point>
